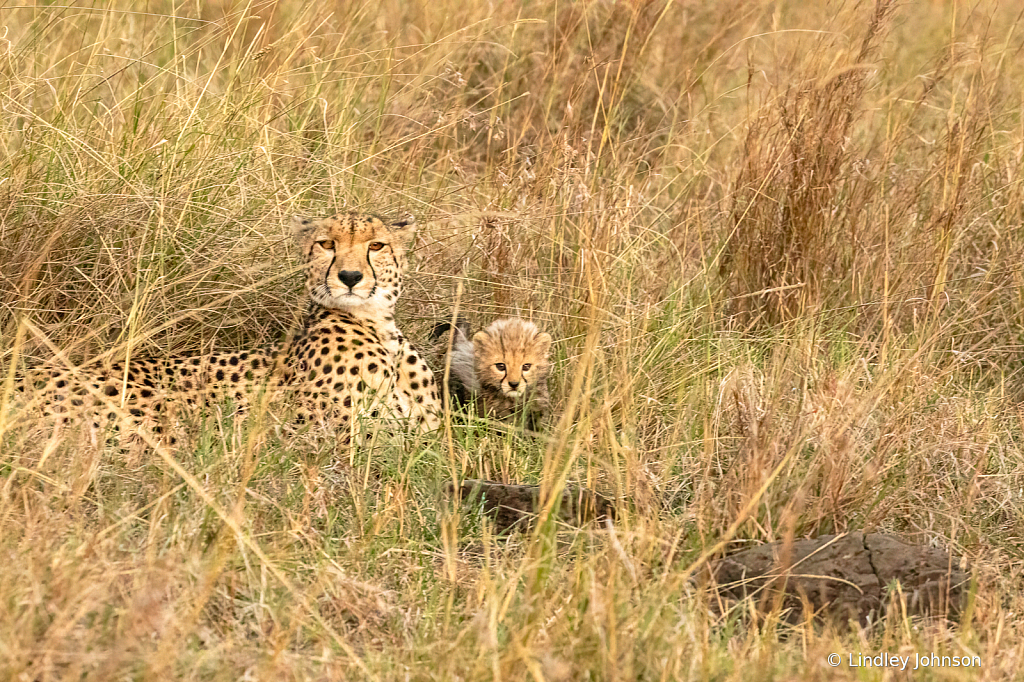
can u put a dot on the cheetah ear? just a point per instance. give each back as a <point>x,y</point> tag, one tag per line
<point>482,340</point>
<point>302,228</point>
<point>543,342</point>
<point>404,228</point>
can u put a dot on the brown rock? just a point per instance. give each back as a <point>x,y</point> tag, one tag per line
<point>512,504</point>
<point>843,577</point>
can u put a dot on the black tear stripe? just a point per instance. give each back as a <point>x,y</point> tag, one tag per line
<point>327,272</point>
<point>372,270</point>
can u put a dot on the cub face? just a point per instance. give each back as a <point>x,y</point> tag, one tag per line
<point>354,261</point>
<point>512,357</point>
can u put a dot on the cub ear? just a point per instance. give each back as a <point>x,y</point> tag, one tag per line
<point>543,341</point>
<point>302,228</point>
<point>404,228</point>
<point>482,340</point>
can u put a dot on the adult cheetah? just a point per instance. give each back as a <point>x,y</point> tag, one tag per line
<point>348,361</point>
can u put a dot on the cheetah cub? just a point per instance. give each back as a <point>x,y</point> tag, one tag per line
<point>502,370</point>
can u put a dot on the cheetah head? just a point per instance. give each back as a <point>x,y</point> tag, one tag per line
<point>354,261</point>
<point>512,356</point>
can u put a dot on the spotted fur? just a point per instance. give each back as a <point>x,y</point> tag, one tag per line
<point>502,370</point>
<point>348,361</point>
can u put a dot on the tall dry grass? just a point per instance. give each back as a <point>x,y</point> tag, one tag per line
<point>779,245</point>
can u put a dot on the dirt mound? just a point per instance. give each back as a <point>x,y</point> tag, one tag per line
<point>844,577</point>
<point>841,577</point>
<point>511,504</point>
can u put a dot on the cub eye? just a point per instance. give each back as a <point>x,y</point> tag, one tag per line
<point>327,244</point>
<point>376,246</point>
<point>526,367</point>
<point>500,366</point>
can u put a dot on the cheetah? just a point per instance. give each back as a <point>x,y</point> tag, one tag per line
<point>349,360</point>
<point>502,370</point>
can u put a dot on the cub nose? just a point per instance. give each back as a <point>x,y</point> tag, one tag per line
<point>350,278</point>
<point>513,385</point>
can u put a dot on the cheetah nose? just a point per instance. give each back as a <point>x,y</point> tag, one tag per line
<point>350,278</point>
<point>513,385</point>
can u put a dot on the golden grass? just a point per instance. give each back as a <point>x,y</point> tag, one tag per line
<point>779,247</point>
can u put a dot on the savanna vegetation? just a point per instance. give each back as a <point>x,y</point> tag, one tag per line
<point>779,245</point>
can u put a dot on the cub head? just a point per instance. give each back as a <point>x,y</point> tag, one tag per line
<point>512,357</point>
<point>353,261</point>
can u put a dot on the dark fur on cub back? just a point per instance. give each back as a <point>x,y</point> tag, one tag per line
<point>461,382</point>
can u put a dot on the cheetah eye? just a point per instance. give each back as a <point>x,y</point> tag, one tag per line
<point>326,244</point>
<point>500,366</point>
<point>526,367</point>
<point>376,246</point>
